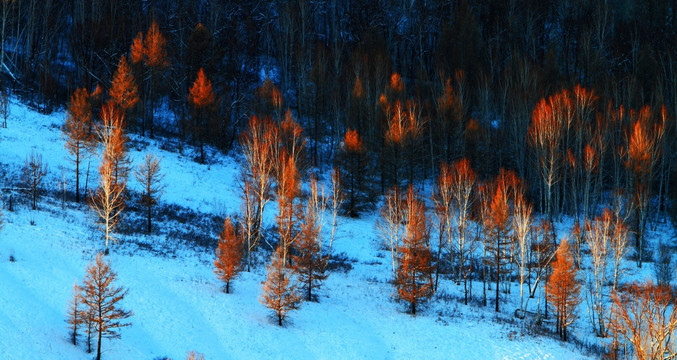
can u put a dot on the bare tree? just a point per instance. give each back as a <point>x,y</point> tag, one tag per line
<point>148,174</point>
<point>337,199</point>
<point>598,237</point>
<point>522,224</point>
<point>390,222</point>
<point>34,172</point>
<point>4,103</point>
<point>75,316</point>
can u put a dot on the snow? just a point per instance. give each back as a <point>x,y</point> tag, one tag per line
<point>179,305</point>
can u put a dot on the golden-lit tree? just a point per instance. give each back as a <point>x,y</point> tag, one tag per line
<point>248,208</point>
<point>228,254</point>
<point>201,97</point>
<point>545,135</point>
<point>353,154</point>
<point>288,189</point>
<point>192,355</point>
<point>642,154</point>
<point>77,131</point>
<point>108,200</point>
<point>310,261</point>
<point>124,92</point>
<point>598,235</point>
<point>280,291</point>
<point>497,225</point>
<point>563,290</point>
<point>414,278</point>
<point>645,316</point>
<point>522,223</point>
<point>257,144</point>
<point>102,297</point>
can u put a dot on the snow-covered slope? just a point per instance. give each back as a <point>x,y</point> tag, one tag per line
<point>179,305</point>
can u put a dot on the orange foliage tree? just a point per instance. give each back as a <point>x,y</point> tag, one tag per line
<point>288,188</point>
<point>642,155</point>
<point>645,316</point>
<point>257,144</point>
<point>77,132</point>
<point>354,168</point>
<point>108,200</point>
<point>545,135</point>
<point>228,254</point>
<point>201,97</point>
<point>309,262</point>
<point>101,297</point>
<point>497,226</point>
<point>151,50</point>
<point>563,290</point>
<point>124,92</point>
<point>280,291</point>
<point>414,278</point>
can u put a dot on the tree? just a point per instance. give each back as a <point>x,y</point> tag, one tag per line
<point>149,176</point>
<point>642,155</point>
<point>257,147</point>
<point>414,278</point>
<point>288,189</point>
<point>101,296</point>
<point>228,254</point>
<point>151,49</point>
<point>192,355</point>
<point>354,165</point>
<point>522,223</point>
<point>562,290</point>
<point>645,316</point>
<point>545,134</point>
<point>280,291</point>
<point>201,97</point>
<point>497,224</point>
<point>461,187</point>
<point>77,131</point>
<point>309,262</point>
<point>124,92</point>
<point>389,223</point>
<point>248,208</point>
<point>75,315</point>
<point>34,173</point>
<point>598,234</point>
<point>108,200</point>
<point>337,199</point>
<point>4,105</point>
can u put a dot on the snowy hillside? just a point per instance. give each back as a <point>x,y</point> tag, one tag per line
<point>178,303</point>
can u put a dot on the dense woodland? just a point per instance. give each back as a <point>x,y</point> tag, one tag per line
<point>517,112</point>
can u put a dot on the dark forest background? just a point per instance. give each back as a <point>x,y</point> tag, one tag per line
<point>462,77</point>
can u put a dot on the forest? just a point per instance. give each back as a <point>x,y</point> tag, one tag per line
<point>472,129</point>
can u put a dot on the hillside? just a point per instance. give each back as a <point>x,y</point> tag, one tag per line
<point>177,302</point>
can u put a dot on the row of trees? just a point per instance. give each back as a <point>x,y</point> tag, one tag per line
<point>274,166</point>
